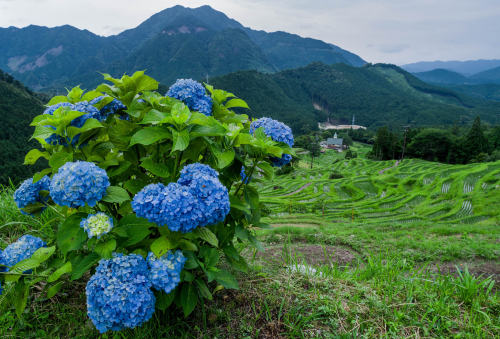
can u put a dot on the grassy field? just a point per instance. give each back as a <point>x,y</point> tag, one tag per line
<point>407,251</point>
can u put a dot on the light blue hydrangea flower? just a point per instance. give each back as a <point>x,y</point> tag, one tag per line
<point>193,94</point>
<point>22,249</point>
<point>277,131</point>
<point>84,107</point>
<point>113,107</point>
<point>97,224</point>
<point>119,294</point>
<point>29,193</point>
<point>198,199</point>
<point>213,198</point>
<point>78,183</point>
<point>165,272</point>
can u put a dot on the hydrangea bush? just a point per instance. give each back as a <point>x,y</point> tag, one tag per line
<point>152,193</point>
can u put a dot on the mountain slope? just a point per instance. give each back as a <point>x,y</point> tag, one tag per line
<point>488,76</point>
<point>375,94</point>
<point>53,58</point>
<point>441,76</point>
<point>18,106</point>
<point>468,67</point>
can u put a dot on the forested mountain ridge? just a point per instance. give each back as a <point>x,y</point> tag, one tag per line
<point>375,95</point>
<point>49,59</point>
<point>18,106</point>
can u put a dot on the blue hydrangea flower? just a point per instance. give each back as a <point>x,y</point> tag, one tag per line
<point>29,193</point>
<point>193,94</point>
<point>147,203</point>
<point>78,183</point>
<point>22,249</point>
<point>84,107</point>
<point>277,131</point>
<point>97,224</point>
<point>188,171</point>
<point>165,272</point>
<point>119,294</point>
<point>213,198</point>
<point>112,108</point>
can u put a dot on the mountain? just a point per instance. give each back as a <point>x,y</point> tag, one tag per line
<point>484,91</point>
<point>489,76</point>
<point>468,67</point>
<point>441,76</point>
<point>18,106</point>
<point>376,95</point>
<point>176,42</point>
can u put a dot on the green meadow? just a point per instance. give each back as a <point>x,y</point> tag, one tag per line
<point>353,249</point>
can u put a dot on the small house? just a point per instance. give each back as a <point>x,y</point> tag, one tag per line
<point>335,143</point>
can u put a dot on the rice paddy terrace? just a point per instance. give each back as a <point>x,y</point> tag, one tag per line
<point>384,191</point>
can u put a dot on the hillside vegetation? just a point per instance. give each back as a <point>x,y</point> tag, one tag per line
<point>18,106</point>
<point>376,95</point>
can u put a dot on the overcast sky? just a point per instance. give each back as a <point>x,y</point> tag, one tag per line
<point>394,31</point>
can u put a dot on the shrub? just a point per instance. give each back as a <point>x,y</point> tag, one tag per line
<point>149,194</point>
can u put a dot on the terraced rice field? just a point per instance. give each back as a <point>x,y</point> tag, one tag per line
<point>378,191</point>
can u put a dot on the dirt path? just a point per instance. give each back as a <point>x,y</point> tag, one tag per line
<point>388,168</point>
<point>297,191</point>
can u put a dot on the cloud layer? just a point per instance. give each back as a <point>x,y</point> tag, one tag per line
<point>377,30</point>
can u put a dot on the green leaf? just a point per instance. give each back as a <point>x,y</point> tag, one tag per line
<point>150,135</point>
<point>132,228</point>
<point>236,203</point>
<point>158,169</point>
<point>75,94</point>
<point>70,235</point>
<point>235,259</point>
<point>224,159</point>
<point>105,249</point>
<point>187,245</point>
<point>206,234</point>
<point>154,117</point>
<point>66,268</point>
<point>215,130</point>
<point>21,293</point>
<point>189,298</point>
<point>83,264</point>
<point>52,290</point>
<point>58,159</point>
<point>116,194</point>
<point>203,289</point>
<point>42,132</point>
<point>161,246</point>
<point>211,256</point>
<point>226,279</point>
<point>39,257</point>
<point>164,300</point>
<point>180,113</point>
<point>134,185</point>
<point>187,276</point>
<point>144,82</point>
<point>267,169</point>
<point>236,103</point>
<point>41,174</point>
<point>181,140</point>
<point>34,155</point>
<point>57,99</point>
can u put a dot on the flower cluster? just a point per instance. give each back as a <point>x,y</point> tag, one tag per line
<point>119,294</point>
<point>84,107</point>
<point>22,249</point>
<point>78,183</point>
<point>197,199</point>
<point>165,272</point>
<point>29,193</point>
<point>97,224</point>
<point>193,94</point>
<point>113,107</point>
<point>277,131</point>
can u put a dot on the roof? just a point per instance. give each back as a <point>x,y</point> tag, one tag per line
<point>335,141</point>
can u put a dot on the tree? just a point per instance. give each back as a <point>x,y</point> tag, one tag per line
<point>431,144</point>
<point>313,148</point>
<point>475,141</point>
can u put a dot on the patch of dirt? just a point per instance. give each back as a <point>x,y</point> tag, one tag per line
<point>476,268</point>
<point>308,253</point>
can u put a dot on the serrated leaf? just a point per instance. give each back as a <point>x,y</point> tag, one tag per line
<point>70,235</point>
<point>52,290</point>
<point>203,289</point>
<point>226,279</point>
<point>207,235</point>
<point>66,268</point>
<point>58,159</point>
<point>33,155</point>
<point>150,135</point>
<point>105,249</point>
<point>161,246</point>
<point>40,256</point>
<point>158,169</point>
<point>133,229</point>
<point>116,194</point>
<point>189,298</point>
<point>20,298</point>
<point>82,264</point>
<point>164,300</point>
<point>236,103</point>
<point>180,139</point>
<point>187,245</point>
